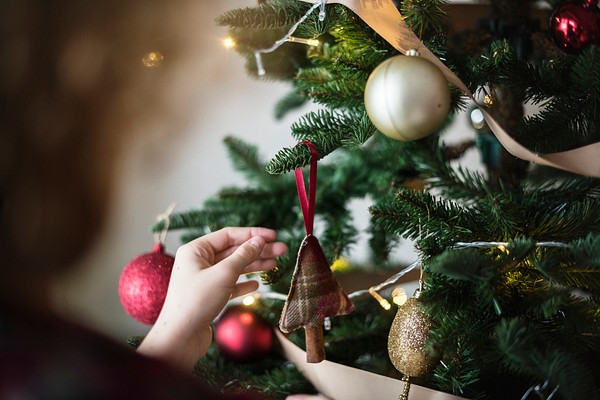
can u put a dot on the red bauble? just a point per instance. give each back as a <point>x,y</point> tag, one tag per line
<point>574,26</point>
<point>242,335</point>
<point>144,282</point>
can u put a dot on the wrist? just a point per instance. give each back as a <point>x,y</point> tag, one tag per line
<point>177,346</point>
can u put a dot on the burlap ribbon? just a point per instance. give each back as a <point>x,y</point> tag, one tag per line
<point>340,382</point>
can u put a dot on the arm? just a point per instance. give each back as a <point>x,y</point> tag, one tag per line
<point>204,278</point>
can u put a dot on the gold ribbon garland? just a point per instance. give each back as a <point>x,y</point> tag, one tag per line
<point>385,19</point>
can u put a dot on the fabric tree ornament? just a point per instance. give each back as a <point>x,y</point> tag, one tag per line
<point>314,292</point>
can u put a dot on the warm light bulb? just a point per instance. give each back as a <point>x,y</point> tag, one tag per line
<point>488,100</point>
<point>152,59</point>
<point>385,304</point>
<point>477,119</point>
<point>399,296</point>
<point>382,302</point>
<point>308,42</point>
<point>248,300</point>
<point>503,249</point>
<point>340,265</point>
<point>228,42</point>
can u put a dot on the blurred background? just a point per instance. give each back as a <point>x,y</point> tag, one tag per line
<point>158,171</point>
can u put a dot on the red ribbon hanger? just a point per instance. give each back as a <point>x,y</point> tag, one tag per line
<point>308,202</point>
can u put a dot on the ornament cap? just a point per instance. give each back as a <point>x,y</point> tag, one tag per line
<point>413,53</point>
<point>158,247</point>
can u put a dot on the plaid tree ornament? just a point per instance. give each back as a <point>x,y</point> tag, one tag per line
<point>314,292</point>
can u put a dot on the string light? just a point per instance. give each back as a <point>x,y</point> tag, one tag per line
<point>308,42</point>
<point>322,10</point>
<point>258,53</point>
<point>502,245</point>
<point>399,296</point>
<point>391,282</point>
<point>382,302</point>
<point>249,300</point>
<point>477,119</point>
<point>539,391</point>
<point>488,101</point>
<point>228,42</point>
<point>340,265</point>
<point>503,249</point>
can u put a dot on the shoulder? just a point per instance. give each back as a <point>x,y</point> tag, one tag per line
<point>46,357</point>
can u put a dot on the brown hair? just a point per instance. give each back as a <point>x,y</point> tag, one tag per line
<point>75,80</point>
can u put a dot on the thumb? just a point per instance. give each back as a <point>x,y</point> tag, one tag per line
<point>244,255</point>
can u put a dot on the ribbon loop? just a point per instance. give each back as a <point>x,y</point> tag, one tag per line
<point>307,202</point>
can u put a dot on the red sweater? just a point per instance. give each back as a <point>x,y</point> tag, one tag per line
<point>45,357</point>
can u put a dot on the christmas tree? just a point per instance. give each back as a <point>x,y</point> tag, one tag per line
<point>509,304</point>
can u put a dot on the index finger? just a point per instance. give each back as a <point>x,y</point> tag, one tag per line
<point>233,236</point>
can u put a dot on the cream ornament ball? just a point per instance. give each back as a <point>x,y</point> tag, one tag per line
<point>407,97</point>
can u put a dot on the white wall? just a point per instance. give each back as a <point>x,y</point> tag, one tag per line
<point>187,171</point>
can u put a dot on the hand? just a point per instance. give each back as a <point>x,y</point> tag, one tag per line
<point>204,278</point>
<point>306,397</point>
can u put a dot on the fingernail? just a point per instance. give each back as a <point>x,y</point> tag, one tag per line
<point>257,241</point>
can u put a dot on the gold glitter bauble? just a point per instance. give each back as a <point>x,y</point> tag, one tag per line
<point>406,342</point>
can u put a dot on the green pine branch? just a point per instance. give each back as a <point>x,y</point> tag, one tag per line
<point>525,351</point>
<point>425,17</point>
<point>245,159</point>
<point>522,314</point>
<point>415,214</point>
<point>272,14</point>
<point>328,131</point>
<point>293,100</point>
<point>345,91</point>
<point>272,376</point>
<point>573,220</point>
<point>456,183</point>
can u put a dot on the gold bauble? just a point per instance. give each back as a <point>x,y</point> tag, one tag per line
<point>407,97</point>
<point>406,341</point>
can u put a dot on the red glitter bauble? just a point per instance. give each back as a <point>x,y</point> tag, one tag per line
<point>144,282</point>
<point>242,335</point>
<point>574,26</point>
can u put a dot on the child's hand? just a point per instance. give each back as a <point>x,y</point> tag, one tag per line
<point>203,280</point>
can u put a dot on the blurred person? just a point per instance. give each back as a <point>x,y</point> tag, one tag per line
<point>77,82</point>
